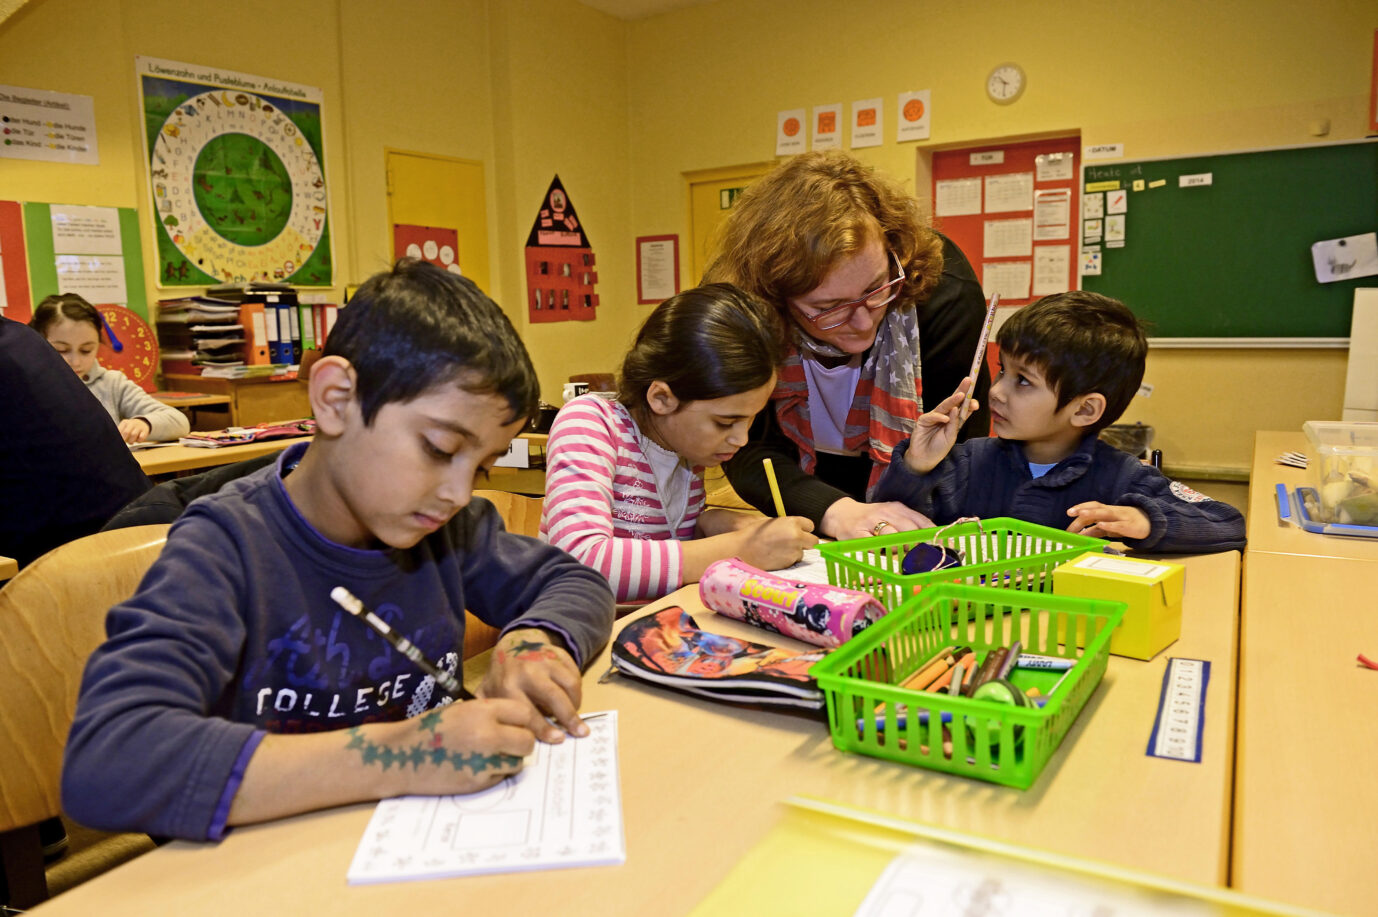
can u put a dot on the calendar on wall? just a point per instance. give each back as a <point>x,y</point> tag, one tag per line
<point>236,174</point>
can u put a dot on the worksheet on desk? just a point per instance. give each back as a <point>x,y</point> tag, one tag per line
<point>563,809</point>
<point>811,568</point>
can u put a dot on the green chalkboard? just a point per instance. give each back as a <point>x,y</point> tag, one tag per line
<point>1232,259</point>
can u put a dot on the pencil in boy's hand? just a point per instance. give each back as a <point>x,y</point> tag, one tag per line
<point>981,346</point>
<point>774,487</point>
<point>350,603</point>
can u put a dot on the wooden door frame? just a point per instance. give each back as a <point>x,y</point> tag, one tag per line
<point>704,176</point>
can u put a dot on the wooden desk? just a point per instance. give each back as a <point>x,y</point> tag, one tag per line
<point>1306,802</point>
<point>702,782</point>
<point>252,401</point>
<point>169,459</point>
<point>8,568</point>
<point>1269,535</point>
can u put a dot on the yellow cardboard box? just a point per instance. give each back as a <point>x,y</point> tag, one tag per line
<point>1151,588</point>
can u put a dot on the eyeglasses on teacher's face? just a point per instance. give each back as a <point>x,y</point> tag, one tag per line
<point>841,314</point>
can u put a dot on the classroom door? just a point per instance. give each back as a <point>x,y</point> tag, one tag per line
<point>426,190</point>
<point>712,192</point>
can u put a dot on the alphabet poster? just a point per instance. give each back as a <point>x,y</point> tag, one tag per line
<point>236,171</point>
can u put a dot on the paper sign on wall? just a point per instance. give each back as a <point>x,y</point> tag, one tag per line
<point>789,132</point>
<point>866,122</point>
<point>957,197</point>
<point>914,112</point>
<point>1346,259</point>
<point>48,126</point>
<point>827,127</point>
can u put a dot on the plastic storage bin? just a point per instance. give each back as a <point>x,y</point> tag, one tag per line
<point>995,552</point>
<point>1344,462</point>
<point>987,740</point>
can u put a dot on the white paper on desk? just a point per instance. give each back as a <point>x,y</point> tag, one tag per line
<point>930,880</point>
<point>811,568</point>
<point>564,809</point>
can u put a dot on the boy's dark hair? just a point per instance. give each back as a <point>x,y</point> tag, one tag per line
<point>708,342</point>
<point>64,305</point>
<point>1083,342</point>
<point>418,326</point>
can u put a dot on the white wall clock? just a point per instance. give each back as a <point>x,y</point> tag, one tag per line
<point>1006,83</point>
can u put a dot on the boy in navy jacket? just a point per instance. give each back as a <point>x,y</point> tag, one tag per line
<point>232,689</point>
<point>1069,365</point>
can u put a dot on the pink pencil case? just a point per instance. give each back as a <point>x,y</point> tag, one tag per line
<point>812,612</point>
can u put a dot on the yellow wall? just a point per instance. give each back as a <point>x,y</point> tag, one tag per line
<point>621,110</point>
<point>1163,78</point>
<point>528,89</point>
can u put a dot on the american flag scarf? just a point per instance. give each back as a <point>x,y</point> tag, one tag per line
<point>888,395</point>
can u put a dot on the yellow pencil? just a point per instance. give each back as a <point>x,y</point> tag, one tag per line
<point>774,487</point>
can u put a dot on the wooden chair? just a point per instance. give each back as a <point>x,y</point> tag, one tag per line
<point>522,516</point>
<point>52,616</point>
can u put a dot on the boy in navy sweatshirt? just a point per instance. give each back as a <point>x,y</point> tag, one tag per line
<point>1069,365</point>
<point>232,689</point>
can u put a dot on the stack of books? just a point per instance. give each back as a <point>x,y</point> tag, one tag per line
<point>195,332</point>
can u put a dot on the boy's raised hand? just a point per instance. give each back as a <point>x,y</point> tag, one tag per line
<point>1101,521</point>
<point>772,544</point>
<point>935,431</point>
<point>528,666</point>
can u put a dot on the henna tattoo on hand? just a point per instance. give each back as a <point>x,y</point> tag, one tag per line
<point>528,651</point>
<point>432,753</point>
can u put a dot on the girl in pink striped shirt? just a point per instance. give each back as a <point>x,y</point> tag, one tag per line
<point>624,478</point>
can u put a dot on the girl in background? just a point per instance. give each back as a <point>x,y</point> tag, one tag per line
<point>624,478</point>
<point>72,325</point>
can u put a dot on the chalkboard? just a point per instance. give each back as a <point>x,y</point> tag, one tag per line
<point>1232,258</point>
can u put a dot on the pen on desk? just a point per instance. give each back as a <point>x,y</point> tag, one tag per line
<point>350,603</point>
<point>774,486</point>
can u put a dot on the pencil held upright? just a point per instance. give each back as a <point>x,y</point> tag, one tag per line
<point>774,487</point>
<point>351,603</point>
<point>981,346</point>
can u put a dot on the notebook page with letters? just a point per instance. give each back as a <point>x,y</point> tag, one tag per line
<point>563,809</point>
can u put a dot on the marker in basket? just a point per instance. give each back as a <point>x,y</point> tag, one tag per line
<point>774,486</point>
<point>981,348</point>
<point>350,603</point>
<point>1051,663</point>
<point>1011,658</point>
<point>959,676</point>
<point>902,720</point>
<point>954,673</point>
<point>989,666</point>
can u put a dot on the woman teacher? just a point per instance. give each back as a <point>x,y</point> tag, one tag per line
<point>882,311</point>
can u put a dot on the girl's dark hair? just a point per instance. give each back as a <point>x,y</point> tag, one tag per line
<point>418,326</point>
<point>64,305</point>
<point>708,342</point>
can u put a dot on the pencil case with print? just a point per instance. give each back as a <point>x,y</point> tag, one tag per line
<point>816,613</point>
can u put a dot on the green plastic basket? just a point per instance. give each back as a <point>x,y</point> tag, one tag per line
<point>989,741</point>
<point>996,552</point>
